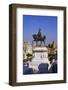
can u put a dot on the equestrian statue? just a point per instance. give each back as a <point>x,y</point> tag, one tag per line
<point>39,38</point>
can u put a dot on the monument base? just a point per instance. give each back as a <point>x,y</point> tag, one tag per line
<point>40,56</point>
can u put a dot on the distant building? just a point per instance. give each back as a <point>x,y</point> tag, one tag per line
<point>27,49</point>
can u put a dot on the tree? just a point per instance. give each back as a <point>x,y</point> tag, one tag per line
<point>52,45</point>
<point>49,45</point>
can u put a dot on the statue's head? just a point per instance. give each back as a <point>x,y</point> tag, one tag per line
<point>39,29</point>
<point>39,32</point>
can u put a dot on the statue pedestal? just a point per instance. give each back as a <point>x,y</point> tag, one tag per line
<point>40,55</point>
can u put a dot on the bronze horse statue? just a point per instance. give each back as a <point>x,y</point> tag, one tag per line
<point>38,37</point>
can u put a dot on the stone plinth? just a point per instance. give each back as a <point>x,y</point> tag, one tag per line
<point>40,55</point>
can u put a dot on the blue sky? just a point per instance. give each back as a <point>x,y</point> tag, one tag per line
<point>48,25</point>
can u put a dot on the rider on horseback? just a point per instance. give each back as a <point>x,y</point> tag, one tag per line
<point>39,38</point>
<point>39,33</point>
